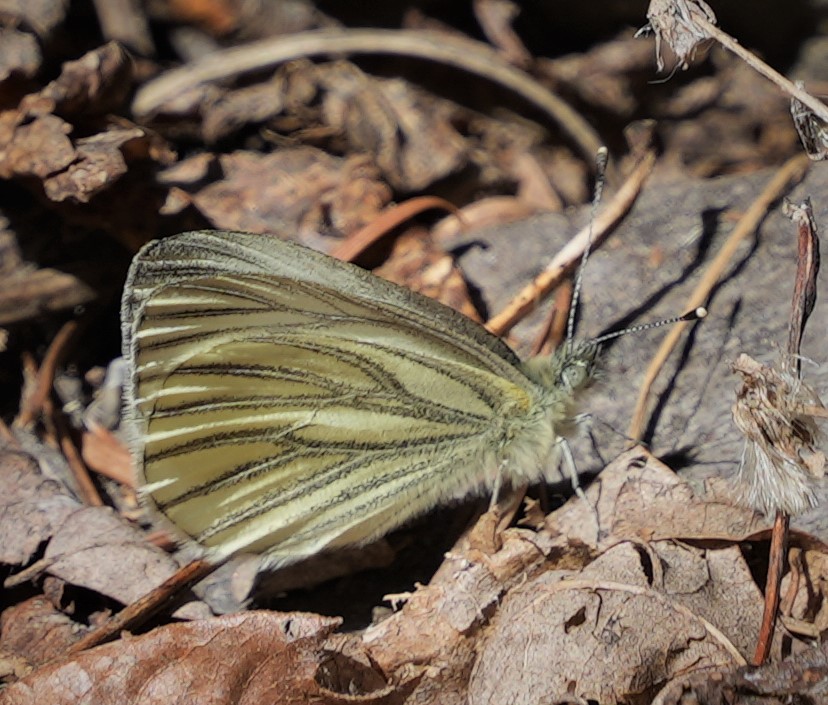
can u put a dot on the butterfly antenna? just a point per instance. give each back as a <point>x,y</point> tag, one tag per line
<point>694,315</point>
<point>601,159</point>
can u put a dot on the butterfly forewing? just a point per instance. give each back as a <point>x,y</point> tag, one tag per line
<point>285,402</point>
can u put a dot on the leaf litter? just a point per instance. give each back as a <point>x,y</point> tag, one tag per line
<point>662,591</point>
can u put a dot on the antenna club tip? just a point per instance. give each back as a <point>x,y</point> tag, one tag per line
<point>696,314</point>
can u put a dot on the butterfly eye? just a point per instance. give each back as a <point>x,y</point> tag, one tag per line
<point>572,377</point>
<point>576,375</point>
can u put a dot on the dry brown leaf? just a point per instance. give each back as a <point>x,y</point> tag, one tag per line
<point>96,549</point>
<point>37,147</point>
<point>602,76</point>
<point>405,132</point>
<point>35,142</point>
<point>438,623</point>
<point>229,112</point>
<point>637,497</point>
<point>90,547</point>
<point>32,508</point>
<point>409,136</point>
<point>19,54</point>
<point>713,583</point>
<point>737,118</point>
<point>591,639</point>
<point>97,83</point>
<point>36,631</point>
<point>707,594</point>
<point>417,263</point>
<point>188,172</point>
<point>64,137</point>
<point>97,163</point>
<point>248,659</point>
<point>107,454</point>
<point>807,580</point>
<point>28,292</point>
<point>285,103</point>
<point>301,191</point>
<point>801,678</point>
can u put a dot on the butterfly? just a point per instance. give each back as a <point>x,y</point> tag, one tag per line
<point>286,403</point>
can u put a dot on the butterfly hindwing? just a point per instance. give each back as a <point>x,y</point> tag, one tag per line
<point>287,402</point>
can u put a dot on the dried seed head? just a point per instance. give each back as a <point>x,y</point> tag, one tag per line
<point>676,23</point>
<point>812,130</point>
<point>781,461</point>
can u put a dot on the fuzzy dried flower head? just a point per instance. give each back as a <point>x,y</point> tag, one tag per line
<point>812,130</point>
<point>676,24</point>
<point>781,461</point>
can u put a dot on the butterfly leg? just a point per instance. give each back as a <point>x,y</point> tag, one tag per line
<point>572,471</point>
<point>496,485</point>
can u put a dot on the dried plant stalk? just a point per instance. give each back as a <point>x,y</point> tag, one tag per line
<point>781,461</point>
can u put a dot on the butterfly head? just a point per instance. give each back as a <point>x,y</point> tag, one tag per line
<point>577,364</point>
<point>568,370</point>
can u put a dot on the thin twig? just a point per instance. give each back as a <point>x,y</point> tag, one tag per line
<point>33,404</point>
<point>88,492</point>
<point>760,66</point>
<point>776,563</point>
<point>356,243</point>
<point>554,329</point>
<point>147,606</point>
